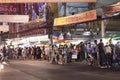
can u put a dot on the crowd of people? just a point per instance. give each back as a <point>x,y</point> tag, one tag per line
<point>96,53</point>
<point>21,53</point>
<point>105,55</point>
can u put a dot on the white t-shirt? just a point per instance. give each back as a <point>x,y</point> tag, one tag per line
<point>108,49</point>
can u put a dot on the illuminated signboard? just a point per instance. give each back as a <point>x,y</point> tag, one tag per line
<point>77,18</point>
<point>4,28</point>
<point>14,18</point>
<point>31,1</point>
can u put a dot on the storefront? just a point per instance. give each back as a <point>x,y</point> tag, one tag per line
<point>29,41</point>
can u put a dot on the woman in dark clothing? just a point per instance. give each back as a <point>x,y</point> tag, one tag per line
<point>82,51</point>
<point>39,51</point>
<point>4,51</point>
<point>35,53</point>
<point>19,53</point>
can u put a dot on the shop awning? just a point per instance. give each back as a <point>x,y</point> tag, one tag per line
<point>116,37</point>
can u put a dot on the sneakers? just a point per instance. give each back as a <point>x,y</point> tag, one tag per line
<point>108,66</point>
<point>1,66</point>
<point>102,67</point>
<point>4,63</point>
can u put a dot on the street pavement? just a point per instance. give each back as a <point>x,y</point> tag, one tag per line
<point>43,70</point>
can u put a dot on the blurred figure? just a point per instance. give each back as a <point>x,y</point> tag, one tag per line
<point>116,55</point>
<point>19,53</point>
<point>47,52</point>
<point>5,54</point>
<point>24,55</point>
<point>82,51</point>
<point>95,53</point>
<point>14,53</point>
<point>108,53</point>
<point>35,53</point>
<point>1,60</point>
<point>39,51</point>
<point>101,54</point>
<point>95,48</point>
<point>112,49</point>
<point>32,53</point>
<point>54,55</point>
<point>1,55</point>
<point>89,50</point>
<point>43,52</point>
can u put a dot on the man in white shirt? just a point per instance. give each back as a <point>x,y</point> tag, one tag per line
<point>108,53</point>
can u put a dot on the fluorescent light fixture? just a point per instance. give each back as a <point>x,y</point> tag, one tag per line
<point>87,33</point>
<point>115,14</point>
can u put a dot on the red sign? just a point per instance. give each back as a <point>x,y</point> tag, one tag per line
<point>8,8</point>
<point>111,9</point>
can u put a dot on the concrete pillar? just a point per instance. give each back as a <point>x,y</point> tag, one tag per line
<point>103,26</point>
<point>102,29</point>
<point>54,9</point>
<point>64,9</point>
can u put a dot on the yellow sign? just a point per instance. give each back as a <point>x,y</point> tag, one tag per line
<point>77,18</point>
<point>30,1</point>
<point>60,21</point>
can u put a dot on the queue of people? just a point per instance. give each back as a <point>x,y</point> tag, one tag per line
<point>97,53</point>
<point>26,53</point>
<point>105,55</point>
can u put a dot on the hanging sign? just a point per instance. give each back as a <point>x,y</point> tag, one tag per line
<point>77,18</point>
<point>14,18</point>
<point>31,1</point>
<point>4,28</point>
<point>112,8</point>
